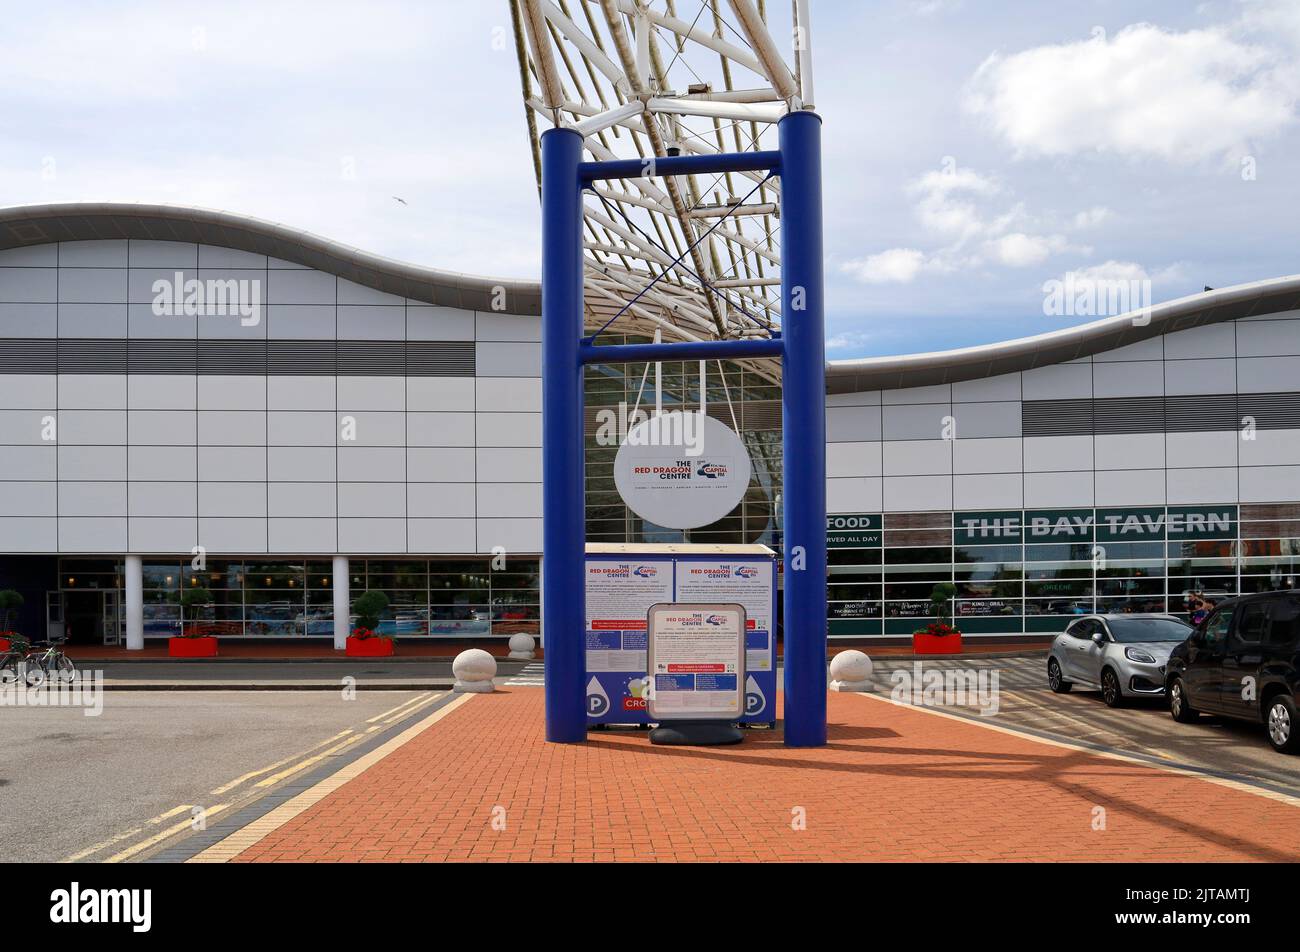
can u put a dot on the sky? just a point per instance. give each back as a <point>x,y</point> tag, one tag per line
<point>973,151</point>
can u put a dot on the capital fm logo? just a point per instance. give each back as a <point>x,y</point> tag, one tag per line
<point>716,620</point>
<point>645,571</point>
<point>746,571</point>
<point>711,470</point>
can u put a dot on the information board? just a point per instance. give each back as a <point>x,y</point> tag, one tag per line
<point>696,661</point>
<point>622,587</point>
<point>618,591</point>
<point>745,582</point>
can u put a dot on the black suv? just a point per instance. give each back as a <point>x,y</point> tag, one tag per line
<point>1242,661</point>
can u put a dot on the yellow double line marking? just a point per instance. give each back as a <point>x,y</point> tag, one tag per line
<point>171,831</point>
<point>292,764</point>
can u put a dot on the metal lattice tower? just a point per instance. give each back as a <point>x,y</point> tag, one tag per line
<point>697,257</point>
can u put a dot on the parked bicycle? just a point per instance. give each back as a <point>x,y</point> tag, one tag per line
<point>50,661</point>
<point>15,665</point>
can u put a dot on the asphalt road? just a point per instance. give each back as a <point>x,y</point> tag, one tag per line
<point>1223,747</point>
<point>69,783</point>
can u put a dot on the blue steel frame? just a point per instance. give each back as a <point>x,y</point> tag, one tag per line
<point>801,347</point>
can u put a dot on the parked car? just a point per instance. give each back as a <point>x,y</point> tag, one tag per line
<point>1123,656</point>
<point>1242,662</point>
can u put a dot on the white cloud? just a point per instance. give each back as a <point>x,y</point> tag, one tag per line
<point>1018,250</point>
<point>944,206</point>
<point>954,205</point>
<point>1112,270</point>
<point>897,265</point>
<point>1092,217</point>
<point>849,340</point>
<point>1182,96</point>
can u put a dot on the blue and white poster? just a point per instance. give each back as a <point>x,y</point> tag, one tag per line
<point>697,661</point>
<point>620,592</point>
<point>622,587</point>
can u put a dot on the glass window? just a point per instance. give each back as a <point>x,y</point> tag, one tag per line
<point>1129,631</point>
<point>1083,629</point>
<point>1058,606</point>
<point>986,553</point>
<point>930,555</point>
<point>1131,604</point>
<point>1216,627</point>
<point>863,608</point>
<point>276,575</point>
<point>1071,552</point>
<point>1284,623</point>
<point>162,575</point>
<point>1251,625</point>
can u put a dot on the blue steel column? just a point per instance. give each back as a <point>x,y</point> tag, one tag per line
<point>803,401</point>
<point>563,525</point>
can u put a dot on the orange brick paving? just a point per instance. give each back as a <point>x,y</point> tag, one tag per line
<point>892,784</point>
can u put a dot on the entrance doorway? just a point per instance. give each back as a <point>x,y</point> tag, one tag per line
<point>84,616</point>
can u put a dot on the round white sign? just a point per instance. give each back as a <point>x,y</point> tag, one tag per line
<point>681,470</point>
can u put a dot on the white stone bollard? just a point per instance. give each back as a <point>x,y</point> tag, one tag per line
<point>474,669</point>
<point>521,647</point>
<point>851,671</point>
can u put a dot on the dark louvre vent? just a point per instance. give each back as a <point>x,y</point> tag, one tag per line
<point>29,356</point>
<point>92,356</point>
<point>439,358</point>
<point>156,357</point>
<point>1180,414</point>
<point>307,358</point>
<point>235,357</point>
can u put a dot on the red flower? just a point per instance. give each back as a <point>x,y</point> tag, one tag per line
<point>361,634</point>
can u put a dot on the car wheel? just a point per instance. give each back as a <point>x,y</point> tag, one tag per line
<point>1055,679</point>
<point>1110,689</point>
<point>1280,722</point>
<point>1178,707</point>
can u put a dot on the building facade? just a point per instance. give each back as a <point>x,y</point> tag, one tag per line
<point>324,422</point>
<point>374,425</point>
<point>1120,466</point>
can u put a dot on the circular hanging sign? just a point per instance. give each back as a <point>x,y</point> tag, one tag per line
<point>681,470</point>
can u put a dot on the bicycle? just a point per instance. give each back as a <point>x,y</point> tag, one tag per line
<point>14,667</point>
<point>51,659</point>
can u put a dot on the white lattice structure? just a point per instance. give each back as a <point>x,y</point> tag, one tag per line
<point>646,78</point>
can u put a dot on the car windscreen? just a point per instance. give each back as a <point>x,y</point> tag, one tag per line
<point>1128,631</point>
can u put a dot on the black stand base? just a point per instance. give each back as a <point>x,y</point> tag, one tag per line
<point>696,734</point>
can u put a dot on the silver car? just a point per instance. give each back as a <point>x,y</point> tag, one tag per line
<point>1122,655</point>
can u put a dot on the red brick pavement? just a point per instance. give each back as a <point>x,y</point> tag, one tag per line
<point>893,784</point>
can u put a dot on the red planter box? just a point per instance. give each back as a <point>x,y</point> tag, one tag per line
<point>192,647</point>
<point>369,647</point>
<point>936,644</point>
<point>4,644</point>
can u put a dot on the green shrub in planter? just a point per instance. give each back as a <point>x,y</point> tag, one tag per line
<point>192,600</point>
<point>941,597</point>
<point>368,606</point>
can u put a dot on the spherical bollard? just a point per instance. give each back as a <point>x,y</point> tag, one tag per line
<point>521,647</point>
<point>851,671</point>
<point>474,669</point>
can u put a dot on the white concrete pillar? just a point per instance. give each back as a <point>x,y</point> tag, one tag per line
<point>342,602</point>
<point>134,597</point>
